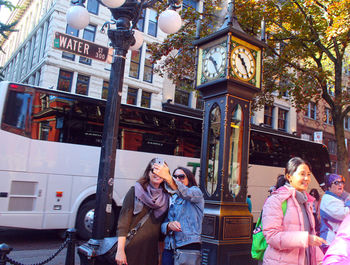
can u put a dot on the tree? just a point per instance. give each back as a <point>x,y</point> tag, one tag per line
<point>308,41</point>
<point>6,28</point>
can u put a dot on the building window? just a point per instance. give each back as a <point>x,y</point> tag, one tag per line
<point>332,147</point>
<point>182,97</point>
<point>74,32</point>
<point>282,119</point>
<point>311,111</point>
<point>92,6</point>
<point>148,70</point>
<point>135,64</point>
<point>105,89</point>
<point>347,123</point>
<point>65,81</point>
<point>327,118</point>
<point>189,3</point>
<point>132,96</point>
<point>89,34</point>
<point>152,23</point>
<point>82,85</point>
<point>146,99</point>
<point>268,115</point>
<point>141,22</point>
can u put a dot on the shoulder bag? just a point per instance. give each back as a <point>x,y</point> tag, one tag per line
<point>109,245</point>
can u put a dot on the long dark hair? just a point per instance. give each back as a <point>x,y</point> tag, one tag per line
<point>191,178</point>
<point>314,193</point>
<point>144,180</point>
<point>292,166</point>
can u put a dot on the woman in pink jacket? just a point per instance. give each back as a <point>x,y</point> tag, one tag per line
<point>291,238</point>
<point>339,251</point>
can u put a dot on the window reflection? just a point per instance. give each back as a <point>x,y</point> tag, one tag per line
<point>213,150</point>
<point>235,156</point>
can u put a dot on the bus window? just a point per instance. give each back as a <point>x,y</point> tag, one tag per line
<point>16,112</point>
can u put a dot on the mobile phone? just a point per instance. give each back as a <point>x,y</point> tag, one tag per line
<point>159,161</point>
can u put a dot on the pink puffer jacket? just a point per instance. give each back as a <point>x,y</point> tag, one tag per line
<point>339,251</point>
<point>285,235</point>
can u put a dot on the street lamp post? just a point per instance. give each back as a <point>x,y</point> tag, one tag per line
<point>125,17</point>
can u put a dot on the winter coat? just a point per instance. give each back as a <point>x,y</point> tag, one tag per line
<point>333,210</point>
<point>339,251</point>
<point>285,235</point>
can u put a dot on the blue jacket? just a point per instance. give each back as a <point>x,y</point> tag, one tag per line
<point>333,210</point>
<point>186,207</point>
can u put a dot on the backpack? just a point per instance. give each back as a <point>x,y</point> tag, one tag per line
<point>259,244</point>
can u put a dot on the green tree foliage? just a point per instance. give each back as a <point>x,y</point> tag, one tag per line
<point>6,28</point>
<point>308,52</point>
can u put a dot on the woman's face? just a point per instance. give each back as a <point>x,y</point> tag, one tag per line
<point>154,179</point>
<point>180,175</point>
<point>337,187</point>
<point>301,178</point>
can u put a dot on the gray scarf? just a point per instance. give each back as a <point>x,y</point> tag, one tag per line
<point>154,198</point>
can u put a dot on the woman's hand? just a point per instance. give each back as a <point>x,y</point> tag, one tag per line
<point>174,226</point>
<point>120,257</point>
<point>164,172</point>
<point>316,241</point>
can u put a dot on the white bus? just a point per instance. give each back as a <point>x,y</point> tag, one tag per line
<point>50,147</point>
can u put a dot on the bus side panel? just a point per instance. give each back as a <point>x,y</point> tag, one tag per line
<point>63,159</point>
<point>23,207</point>
<point>14,152</point>
<point>260,179</point>
<point>58,199</point>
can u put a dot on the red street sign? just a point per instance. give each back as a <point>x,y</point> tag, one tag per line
<point>81,47</point>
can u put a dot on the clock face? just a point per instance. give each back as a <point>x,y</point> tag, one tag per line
<point>214,62</point>
<point>243,63</point>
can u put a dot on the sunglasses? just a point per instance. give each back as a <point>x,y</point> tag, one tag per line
<point>180,176</point>
<point>337,182</point>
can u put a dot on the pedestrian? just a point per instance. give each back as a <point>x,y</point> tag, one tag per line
<point>338,252</point>
<point>333,208</point>
<point>183,225</point>
<point>291,237</point>
<point>316,209</point>
<point>148,195</point>
<point>249,202</point>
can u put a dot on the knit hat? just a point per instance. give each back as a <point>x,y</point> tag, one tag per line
<point>333,177</point>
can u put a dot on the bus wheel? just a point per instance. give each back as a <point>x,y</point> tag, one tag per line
<point>85,220</point>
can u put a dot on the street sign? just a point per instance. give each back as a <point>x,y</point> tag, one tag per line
<point>81,47</point>
<point>318,137</point>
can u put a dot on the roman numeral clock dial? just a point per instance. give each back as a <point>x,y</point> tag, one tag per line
<point>214,62</point>
<point>243,63</point>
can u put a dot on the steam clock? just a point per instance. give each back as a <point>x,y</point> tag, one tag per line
<point>228,75</point>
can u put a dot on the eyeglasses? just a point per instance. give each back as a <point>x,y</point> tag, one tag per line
<point>180,176</point>
<point>337,182</point>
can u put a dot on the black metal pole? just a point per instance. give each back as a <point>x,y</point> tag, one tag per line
<point>4,251</point>
<point>121,39</point>
<point>70,256</point>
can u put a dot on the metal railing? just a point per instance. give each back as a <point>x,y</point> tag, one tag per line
<point>69,243</point>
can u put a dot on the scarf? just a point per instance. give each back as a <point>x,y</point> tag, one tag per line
<point>154,198</point>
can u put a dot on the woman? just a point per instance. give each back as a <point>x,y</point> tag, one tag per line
<point>339,251</point>
<point>316,209</point>
<point>333,208</point>
<point>183,226</point>
<point>147,195</point>
<point>291,237</point>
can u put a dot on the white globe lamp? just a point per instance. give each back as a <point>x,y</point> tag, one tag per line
<point>78,17</point>
<point>138,40</point>
<point>169,21</point>
<point>113,3</point>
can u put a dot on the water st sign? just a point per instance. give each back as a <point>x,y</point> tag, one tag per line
<point>81,47</point>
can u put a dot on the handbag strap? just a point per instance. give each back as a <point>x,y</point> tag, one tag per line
<point>134,230</point>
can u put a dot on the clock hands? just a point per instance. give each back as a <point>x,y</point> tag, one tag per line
<point>214,63</point>
<point>243,63</point>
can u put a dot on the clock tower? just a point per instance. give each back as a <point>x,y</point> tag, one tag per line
<point>228,75</point>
